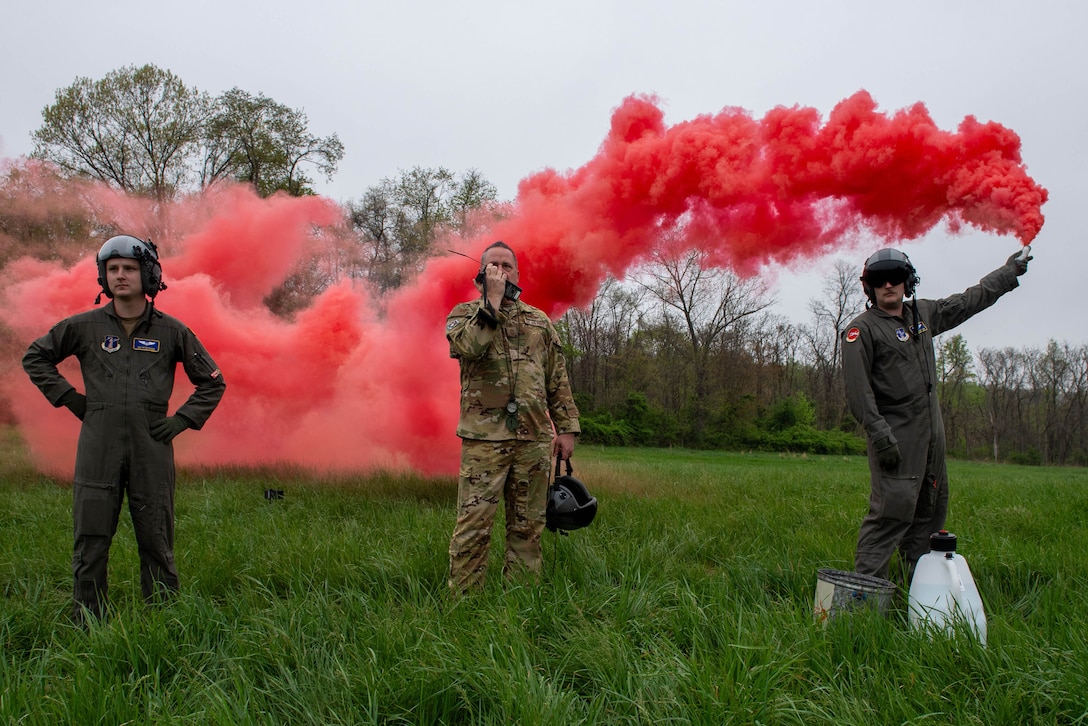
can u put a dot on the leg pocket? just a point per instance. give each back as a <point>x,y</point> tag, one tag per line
<point>898,497</point>
<point>95,509</point>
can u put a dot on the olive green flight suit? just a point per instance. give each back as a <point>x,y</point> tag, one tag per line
<point>128,381</point>
<point>890,373</point>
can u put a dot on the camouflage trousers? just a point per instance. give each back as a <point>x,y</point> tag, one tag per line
<point>517,472</point>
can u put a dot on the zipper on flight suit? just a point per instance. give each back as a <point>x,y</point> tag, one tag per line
<point>197,358</point>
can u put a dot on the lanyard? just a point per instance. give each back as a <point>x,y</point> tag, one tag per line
<point>512,370</point>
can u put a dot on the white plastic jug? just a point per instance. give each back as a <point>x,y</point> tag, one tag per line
<point>943,595</point>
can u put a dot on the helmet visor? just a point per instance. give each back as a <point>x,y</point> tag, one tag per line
<point>879,278</point>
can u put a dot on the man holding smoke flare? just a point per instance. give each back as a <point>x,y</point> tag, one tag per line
<point>890,371</point>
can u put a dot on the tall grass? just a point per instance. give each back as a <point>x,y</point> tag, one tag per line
<point>688,601</point>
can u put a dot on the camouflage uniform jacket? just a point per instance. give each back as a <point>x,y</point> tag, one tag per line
<point>515,353</point>
<point>128,381</point>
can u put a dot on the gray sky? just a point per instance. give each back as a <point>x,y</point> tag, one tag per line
<point>510,88</point>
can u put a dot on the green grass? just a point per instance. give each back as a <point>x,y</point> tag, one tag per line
<point>688,601</point>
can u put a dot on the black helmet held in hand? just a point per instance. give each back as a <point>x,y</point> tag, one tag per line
<point>570,505</point>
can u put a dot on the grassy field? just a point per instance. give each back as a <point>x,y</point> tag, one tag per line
<point>688,601</point>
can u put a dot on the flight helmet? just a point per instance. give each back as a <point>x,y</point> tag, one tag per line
<point>125,245</point>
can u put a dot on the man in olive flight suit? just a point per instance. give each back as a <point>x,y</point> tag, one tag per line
<point>517,412</point>
<point>890,372</point>
<point>128,352</point>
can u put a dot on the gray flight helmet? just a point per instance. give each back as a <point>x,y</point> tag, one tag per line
<point>145,252</point>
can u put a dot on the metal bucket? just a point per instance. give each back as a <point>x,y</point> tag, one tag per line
<point>838,591</point>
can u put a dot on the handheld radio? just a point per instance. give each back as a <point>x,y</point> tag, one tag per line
<point>512,292</point>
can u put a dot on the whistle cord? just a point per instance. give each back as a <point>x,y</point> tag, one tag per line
<point>512,372</point>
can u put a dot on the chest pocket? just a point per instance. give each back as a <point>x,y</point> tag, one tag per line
<point>531,341</point>
<point>98,365</point>
<point>895,370</point>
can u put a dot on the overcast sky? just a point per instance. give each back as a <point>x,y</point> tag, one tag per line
<point>510,88</point>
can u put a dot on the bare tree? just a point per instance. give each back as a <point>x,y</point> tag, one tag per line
<point>1058,377</point>
<point>774,352</point>
<point>1003,375</point>
<point>842,299</point>
<point>705,303</point>
<point>601,333</point>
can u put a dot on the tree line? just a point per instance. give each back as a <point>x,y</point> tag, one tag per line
<point>677,353</point>
<point>651,368</point>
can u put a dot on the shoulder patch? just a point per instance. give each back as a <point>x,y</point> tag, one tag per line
<point>852,335</point>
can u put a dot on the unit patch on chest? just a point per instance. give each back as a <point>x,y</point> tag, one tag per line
<point>111,343</point>
<point>145,344</point>
<point>902,335</point>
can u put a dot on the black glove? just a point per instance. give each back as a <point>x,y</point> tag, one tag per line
<point>165,429</point>
<point>1019,264</point>
<point>887,453</point>
<point>75,402</point>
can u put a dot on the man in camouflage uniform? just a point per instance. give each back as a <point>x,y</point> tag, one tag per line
<point>890,373</point>
<point>517,412</point>
<point>128,352</point>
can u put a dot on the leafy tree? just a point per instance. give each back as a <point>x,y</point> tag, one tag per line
<point>257,140</point>
<point>789,412</point>
<point>423,198</point>
<point>309,280</point>
<point>399,219</point>
<point>146,132</point>
<point>954,374</point>
<point>135,128</point>
<point>471,194</point>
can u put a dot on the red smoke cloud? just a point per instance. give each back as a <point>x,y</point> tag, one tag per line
<point>343,387</point>
<point>763,192</point>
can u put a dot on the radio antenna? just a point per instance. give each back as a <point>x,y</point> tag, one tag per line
<point>463,255</point>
